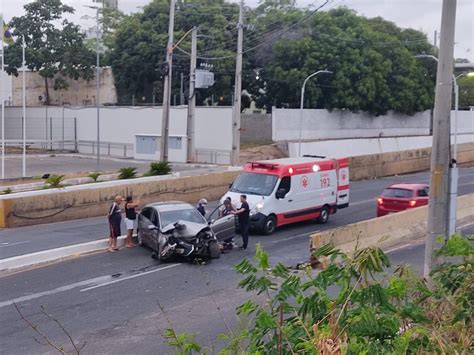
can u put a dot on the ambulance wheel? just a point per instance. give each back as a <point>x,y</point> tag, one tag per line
<point>324,215</point>
<point>269,226</point>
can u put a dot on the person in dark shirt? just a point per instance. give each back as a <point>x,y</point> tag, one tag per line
<point>243,213</point>
<point>130,218</point>
<point>201,206</point>
<point>115,220</point>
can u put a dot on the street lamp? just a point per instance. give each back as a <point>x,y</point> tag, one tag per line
<point>97,81</point>
<point>301,104</point>
<point>454,174</point>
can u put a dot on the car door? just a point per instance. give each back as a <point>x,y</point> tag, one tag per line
<point>144,221</point>
<point>223,227</point>
<point>154,233</point>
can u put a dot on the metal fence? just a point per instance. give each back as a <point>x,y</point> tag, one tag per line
<point>213,156</point>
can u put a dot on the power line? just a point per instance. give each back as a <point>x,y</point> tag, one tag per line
<point>265,42</point>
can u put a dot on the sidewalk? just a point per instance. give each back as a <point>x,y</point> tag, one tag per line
<point>25,240</point>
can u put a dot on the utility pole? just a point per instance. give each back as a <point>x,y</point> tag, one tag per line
<point>165,123</point>
<point>2,48</point>
<point>181,91</point>
<point>23,63</point>
<point>235,156</point>
<point>97,83</point>
<point>192,98</point>
<point>435,40</point>
<point>438,210</point>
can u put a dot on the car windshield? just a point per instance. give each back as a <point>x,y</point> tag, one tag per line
<point>254,184</point>
<point>393,192</point>
<point>189,215</point>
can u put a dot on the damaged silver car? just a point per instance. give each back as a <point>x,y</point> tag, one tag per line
<point>178,229</point>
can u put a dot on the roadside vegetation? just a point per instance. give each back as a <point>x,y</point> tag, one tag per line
<point>352,306</point>
<point>55,181</point>
<point>359,304</point>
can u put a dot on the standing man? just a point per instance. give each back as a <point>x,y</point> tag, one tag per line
<point>115,220</point>
<point>243,213</point>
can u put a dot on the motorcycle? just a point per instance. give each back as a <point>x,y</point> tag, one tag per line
<point>187,239</point>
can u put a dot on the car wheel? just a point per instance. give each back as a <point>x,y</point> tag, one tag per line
<point>324,215</point>
<point>269,225</point>
<point>214,250</point>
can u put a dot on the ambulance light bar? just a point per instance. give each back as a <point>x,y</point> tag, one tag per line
<point>263,165</point>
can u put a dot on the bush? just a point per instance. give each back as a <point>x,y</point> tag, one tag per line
<point>127,173</point>
<point>94,176</point>
<point>55,181</point>
<point>7,191</point>
<point>159,168</point>
<point>353,307</point>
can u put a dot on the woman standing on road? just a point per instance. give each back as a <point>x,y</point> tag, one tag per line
<point>130,218</point>
<point>115,219</point>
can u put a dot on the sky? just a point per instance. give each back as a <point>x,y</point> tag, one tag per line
<point>423,15</point>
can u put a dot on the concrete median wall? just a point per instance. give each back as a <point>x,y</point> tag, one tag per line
<point>402,162</point>
<point>93,200</point>
<point>388,230</point>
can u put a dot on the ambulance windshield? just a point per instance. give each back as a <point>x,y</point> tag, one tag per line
<point>254,184</point>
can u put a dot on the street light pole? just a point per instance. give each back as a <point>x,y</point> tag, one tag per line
<point>97,80</point>
<point>302,102</point>
<point>167,87</point>
<point>97,75</point>
<point>438,209</point>
<point>453,170</point>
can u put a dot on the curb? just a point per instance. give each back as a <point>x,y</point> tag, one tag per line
<point>54,255</point>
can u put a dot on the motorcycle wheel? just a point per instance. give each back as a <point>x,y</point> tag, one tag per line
<point>214,250</point>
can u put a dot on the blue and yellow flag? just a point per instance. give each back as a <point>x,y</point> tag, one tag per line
<point>7,35</point>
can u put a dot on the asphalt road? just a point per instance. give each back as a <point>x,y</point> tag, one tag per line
<point>112,301</point>
<point>18,241</point>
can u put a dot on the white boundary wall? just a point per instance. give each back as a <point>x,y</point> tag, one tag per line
<point>341,124</point>
<point>213,128</point>
<point>354,147</point>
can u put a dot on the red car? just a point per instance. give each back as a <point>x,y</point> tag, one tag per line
<point>400,197</point>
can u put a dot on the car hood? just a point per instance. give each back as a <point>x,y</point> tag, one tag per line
<point>185,228</point>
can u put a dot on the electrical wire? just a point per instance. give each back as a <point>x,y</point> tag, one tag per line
<point>265,42</point>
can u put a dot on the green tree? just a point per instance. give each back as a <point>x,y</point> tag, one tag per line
<point>140,46</point>
<point>54,44</point>
<point>466,92</point>
<point>372,60</point>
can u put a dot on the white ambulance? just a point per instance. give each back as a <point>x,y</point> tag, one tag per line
<point>284,191</point>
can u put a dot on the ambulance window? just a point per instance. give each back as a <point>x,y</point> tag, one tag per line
<point>285,183</point>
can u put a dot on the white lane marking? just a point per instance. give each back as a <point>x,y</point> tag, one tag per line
<point>97,282</point>
<point>294,237</point>
<point>4,245</point>
<point>56,290</point>
<point>128,278</point>
<point>467,183</point>
<point>362,202</point>
<point>406,245</point>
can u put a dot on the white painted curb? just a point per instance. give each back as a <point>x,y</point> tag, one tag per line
<point>57,254</point>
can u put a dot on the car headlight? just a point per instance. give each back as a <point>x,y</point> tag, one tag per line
<point>258,207</point>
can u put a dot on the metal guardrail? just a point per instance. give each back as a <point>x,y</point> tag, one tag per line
<point>112,149</point>
<point>106,148</point>
<point>212,156</point>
